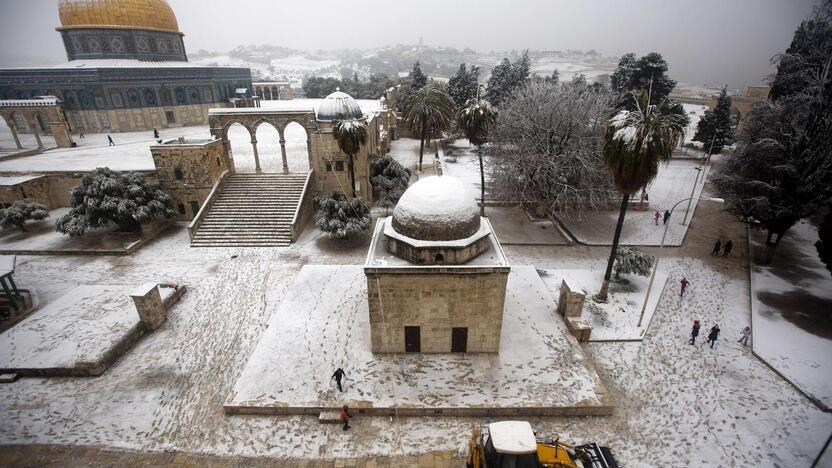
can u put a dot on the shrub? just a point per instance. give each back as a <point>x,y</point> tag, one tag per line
<point>342,217</point>
<point>20,212</point>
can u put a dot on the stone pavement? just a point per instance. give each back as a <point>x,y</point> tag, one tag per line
<point>60,455</point>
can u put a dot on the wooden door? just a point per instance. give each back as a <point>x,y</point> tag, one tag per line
<point>412,339</point>
<point>459,340</point>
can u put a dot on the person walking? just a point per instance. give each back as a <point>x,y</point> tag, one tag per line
<point>155,134</point>
<point>685,284</point>
<point>110,140</point>
<point>694,332</point>
<point>728,246</point>
<point>666,216</point>
<point>713,335</point>
<point>80,134</point>
<point>717,247</point>
<point>657,217</point>
<point>345,417</point>
<point>338,375</point>
<point>745,334</point>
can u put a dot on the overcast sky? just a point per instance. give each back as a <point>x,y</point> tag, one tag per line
<point>705,41</point>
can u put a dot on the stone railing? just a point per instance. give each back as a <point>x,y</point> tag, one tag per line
<point>303,212</point>
<point>207,204</point>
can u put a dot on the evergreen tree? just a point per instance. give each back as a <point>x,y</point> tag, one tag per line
<point>463,85</point>
<point>417,79</point>
<point>579,80</point>
<point>648,74</point>
<point>20,212</point>
<point>716,128</point>
<point>342,217</point>
<point>620,79</point>
<point>633,261</point>
<point>824,243</point>
<point>809,50</point>
<point>555,78</point>
<point>507,77</point>
<point>105,198</point>
<point>389,179</point>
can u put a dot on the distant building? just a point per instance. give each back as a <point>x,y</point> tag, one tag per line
<point>128,70</point>
<point>273,90</point>
<point>741,104</point>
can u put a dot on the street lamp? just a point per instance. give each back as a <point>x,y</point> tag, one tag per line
<point>692,191</point>
<point>661,245</point>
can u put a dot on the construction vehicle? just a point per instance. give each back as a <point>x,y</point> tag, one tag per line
<point>513,444</point>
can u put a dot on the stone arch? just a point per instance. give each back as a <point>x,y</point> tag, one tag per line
<point>269,144</point>
<point>295,141</point>
<point>241,146</point>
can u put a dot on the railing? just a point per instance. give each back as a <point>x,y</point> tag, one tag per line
<point>303,208</point>
<point>206,206</point>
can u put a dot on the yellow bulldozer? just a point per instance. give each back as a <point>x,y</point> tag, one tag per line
<point>513,444</point>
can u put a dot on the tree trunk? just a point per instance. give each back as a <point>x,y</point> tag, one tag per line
<point>771,247</point>
<point>422,144</point>
<point>602,294</point>
<point>482,183</point>
<point>352,177</point>
<point>22,229</point>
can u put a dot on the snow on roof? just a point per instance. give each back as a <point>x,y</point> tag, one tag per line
<point>512,437</point>
<point>38,101</point>
<point>125,63</point>
<point>437,208</point>
<point>15,180</point>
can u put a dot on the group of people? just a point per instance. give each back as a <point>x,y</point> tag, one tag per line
<point>664,217</point>
<point>713,334</point>
<point>725,247</point>
<point>338,375</point>
<point>110,141</point>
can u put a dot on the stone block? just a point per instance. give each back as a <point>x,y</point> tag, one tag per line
<point>571,300</point>
<point>580,329</point>
<point>148,302</point>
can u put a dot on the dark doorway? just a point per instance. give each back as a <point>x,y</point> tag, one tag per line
<point>412,339</point>
<point>459,340</point>
<point>195,208</point>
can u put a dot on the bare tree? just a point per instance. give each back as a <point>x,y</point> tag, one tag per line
<point>547,148</point>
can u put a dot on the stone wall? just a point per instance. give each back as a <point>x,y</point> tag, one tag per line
<point>51,190</point>
<point>436,300</point>
<point>187,171</point>
<point>140,118</point>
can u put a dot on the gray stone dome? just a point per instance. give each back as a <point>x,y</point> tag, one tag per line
<point>437,208</point>
<point>338,106</point>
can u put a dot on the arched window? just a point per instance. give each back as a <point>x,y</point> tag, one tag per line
<point>439,258</point>
<point>177,173</point>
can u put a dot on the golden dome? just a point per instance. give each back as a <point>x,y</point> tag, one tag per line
<point>129,14</point>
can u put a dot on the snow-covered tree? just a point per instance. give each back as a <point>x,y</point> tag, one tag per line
<point>635,142</point>
<point>507,77</point>
<point>350,135</point>
<point>106,197</point>
<point>389,179</point>
<point>716,128</point>
<point>417,79</point>
<point>21,211</point>
<point>781,171</point>
<point>475,120</point>
<point>620,79</point>
<point>426,111</point>
<point>824,243</point>
<point>555,78</point>
<point>648,74</point>
<point>630,261</point>
<point>342,217</point>
<point>546,148</point>
<point>463,85</point>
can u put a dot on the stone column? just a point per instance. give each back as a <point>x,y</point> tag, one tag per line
<point>256,156</point>
<point>309,152</point>
<point>148,302</point>
<point>283,155</point>
<point>13,128</point>
<point>37,135</point>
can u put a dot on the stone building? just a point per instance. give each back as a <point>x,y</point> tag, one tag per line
<point>187,170</point>
<point>273,90</point>
<point>127,70</point>
<point>42,115</point>
<point>436,274</point>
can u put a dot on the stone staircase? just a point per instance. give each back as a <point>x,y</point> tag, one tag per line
<point>252,210</point>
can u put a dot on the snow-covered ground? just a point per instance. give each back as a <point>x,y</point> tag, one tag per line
<point>618,318</point>
<point>539,365</point>
<point>695,113</point>
<point>73,332</point>
<point>464,164</point>
<point>792,302</point>
<point>676,405</point>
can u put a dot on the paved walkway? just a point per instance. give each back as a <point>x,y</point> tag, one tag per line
<point>61,455</point>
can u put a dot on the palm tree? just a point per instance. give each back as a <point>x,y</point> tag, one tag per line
<point>350,135</point>
<point>475,119</point>
<point>428,109</point>
<point>635,141</point>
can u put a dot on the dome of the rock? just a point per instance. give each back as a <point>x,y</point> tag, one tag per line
<point>124,14</point>
<point>437,208</point>
<point>337,106</point>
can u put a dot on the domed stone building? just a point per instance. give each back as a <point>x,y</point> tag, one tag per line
<point>436,274</point>
<point>127,70</point>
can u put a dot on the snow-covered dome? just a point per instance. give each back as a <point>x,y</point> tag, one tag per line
<point>437,208</point>
<point>337,106</point>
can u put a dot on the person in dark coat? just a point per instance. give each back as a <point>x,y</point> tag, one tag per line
<point>338,375</point>
<point>684,282</point>
<point>345,417</point>
<point>666,216</point>
<point>728,246</point>
<point>713,335</point>
<point>694,332</point>
<point>717,247</point>
<point>110,140</point>
<point>155,134</point>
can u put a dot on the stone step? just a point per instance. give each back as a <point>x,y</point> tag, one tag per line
<point>330,417</point>
<point>8,378</point>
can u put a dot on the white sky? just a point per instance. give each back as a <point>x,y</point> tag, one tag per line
<point>705,41</point>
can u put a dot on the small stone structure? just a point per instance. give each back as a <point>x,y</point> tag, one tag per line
<point>273,90</point>
<point>187,170</point>
<point>571,306</point>
<point>41,115</point>
<point>149,305</point>
<point>443,289</point>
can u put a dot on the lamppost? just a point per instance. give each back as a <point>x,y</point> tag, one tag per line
<point>661,246</point>
<point>692,191</point>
